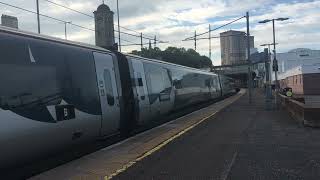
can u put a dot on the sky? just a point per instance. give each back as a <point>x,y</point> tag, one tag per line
<point>175,20</point>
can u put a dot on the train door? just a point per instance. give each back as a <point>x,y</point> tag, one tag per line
<point>141,90</point>
<point>109,100</point>
<point>166,96</point>
<point>214,87</point>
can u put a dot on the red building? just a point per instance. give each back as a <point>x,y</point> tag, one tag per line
<point>299,69</point>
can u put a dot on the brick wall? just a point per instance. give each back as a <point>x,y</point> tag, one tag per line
<point>294,82</point>
<point>311,84</point>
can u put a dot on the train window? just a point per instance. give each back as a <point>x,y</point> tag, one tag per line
<point>177,76</point>
<point>208,82</point>
<point>78,76</point>
<point>155,81</point>
<point>108,87</point>
<point>166,79</point>
<point>167,85</point>
<point>140,84</point>
<point>139,80</point>
<point>46,74</point>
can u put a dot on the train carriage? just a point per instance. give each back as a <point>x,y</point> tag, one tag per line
<point>56,93</point>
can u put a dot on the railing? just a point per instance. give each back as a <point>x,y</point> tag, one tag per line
<point>308,116</point>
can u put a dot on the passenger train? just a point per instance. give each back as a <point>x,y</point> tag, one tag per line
<point>56,93</point>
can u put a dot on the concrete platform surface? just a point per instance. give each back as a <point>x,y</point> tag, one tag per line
<point>113,160</point>
<point>240,142</point>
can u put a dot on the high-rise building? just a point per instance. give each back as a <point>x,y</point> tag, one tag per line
<point>9,21</point>
<point>234,47</point>
<point>104,29</point>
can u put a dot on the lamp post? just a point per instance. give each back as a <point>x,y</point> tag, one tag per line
<point>269,58</point>
<point>269,54</point>
<point>270,44</point>
<point>267,75</point>
<point>38,16</point>
<point>275,62</point>
<point>249,60</point>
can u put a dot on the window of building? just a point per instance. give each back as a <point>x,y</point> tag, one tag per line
<point>301,79</point>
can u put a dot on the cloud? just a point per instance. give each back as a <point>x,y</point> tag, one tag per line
<point>175,20</point>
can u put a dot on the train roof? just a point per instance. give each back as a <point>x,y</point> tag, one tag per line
<point>168,63</point>
<point>84,45</point>
<point>49,38</point>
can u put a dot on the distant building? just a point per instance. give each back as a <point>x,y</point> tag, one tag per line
<point>9,21</point>
<point>300,70</point>
<point>104,28</point>
<point>251,41</point>
<point>297,57</point>
<point>234,47</point>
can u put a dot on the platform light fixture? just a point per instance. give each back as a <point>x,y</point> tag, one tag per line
<point>275,62</point>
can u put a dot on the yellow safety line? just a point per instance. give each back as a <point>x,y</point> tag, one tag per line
<point>164,143</point>
<point>125,167</point>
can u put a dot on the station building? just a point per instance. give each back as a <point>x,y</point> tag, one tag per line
<point>299,69</point>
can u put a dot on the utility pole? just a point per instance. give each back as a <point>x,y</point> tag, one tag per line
<point>275,65</point>
<point>141,41</point>
<point>275,62</point>
<point>38,16</point>
<point>210,41</point>
<point>65,29</point>
<point>118,25</point>
<point>267,75</point>
<point>249,60</point>
<point>195,40</point>
<point>267,51</point>
<point>155,41</point>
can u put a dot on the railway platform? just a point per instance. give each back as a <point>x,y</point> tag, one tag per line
<point>227,140</point>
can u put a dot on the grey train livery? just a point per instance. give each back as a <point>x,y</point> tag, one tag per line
<point>56,93</point>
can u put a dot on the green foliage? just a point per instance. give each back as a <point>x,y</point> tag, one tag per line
<point>176,55</point>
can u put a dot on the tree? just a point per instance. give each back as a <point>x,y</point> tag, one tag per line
<point>176,55</point>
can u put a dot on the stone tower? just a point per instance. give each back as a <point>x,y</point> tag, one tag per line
<point>104,29</point>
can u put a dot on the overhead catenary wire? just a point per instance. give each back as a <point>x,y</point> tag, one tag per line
<point>53,18</point>
<point>125,40</point>
<point>134,44</point>
<point>56,19</point>
<point>215,37</point>
<point>32,12</point>
<point>134,31</point>
<point>88,15</point>
<point>134,35</point>
<point>57,4</point>
<point>139,44</point>
<point>233,21</point>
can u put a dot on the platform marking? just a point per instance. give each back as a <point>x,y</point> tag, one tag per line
<point>226,173</point>
<point>158,147</point>
<point>164,143</point>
